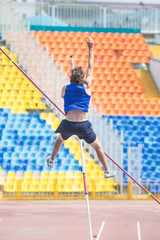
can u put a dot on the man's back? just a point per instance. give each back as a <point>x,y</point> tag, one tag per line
<point>76,102</point>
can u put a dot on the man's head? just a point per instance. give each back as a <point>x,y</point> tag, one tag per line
<point>77,76</point>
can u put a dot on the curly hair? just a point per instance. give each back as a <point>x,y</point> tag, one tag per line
<point>77,76</point>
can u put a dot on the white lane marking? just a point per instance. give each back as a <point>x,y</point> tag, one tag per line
<point>100,231</point>
<point>138,231</point>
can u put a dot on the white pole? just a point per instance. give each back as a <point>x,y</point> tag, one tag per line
<point>86,193</point>
<point>138,231</point>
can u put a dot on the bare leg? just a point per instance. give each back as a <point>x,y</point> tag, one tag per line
<point>100,154</point>
<point>57,146</point>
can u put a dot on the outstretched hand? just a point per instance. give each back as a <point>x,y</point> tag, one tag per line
<point>90,43</point>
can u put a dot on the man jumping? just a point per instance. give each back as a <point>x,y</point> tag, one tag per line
<point>76,103</point>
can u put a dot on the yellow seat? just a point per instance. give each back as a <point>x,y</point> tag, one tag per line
<point>18,80</point>
<point>43,115</point>
<point>44,175</point>
<point>9,104</point>
<point>77,187</point>
<point>68,187</point>
<point>22,110</point>
<point>34,187</point>
<point>61,175</point>
<point>28,174</point>
<point>35,180</point>
<point>44,180</point>
<point>2,86</point>
<point>37,94</point>
<point>9,86</point>
<point>13,57</point>
<point>13,93</point>
<point>60,187</point>
<point>25,186</point>
<point>8,187</point>
<point>41,106</point>
<point>27,180</point>
<point>2,104</point>
<point>53,175</point>
<point>32,105</point>
<point>78,175</point>
<point>51,187</point>
<point>43,187</point>
<point>36,100</point>
<point>11,180</point>
<point>69,175</point>
<point>11,174</point>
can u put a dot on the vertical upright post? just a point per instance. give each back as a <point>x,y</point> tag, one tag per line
<point>85,189</point>
<point>121,157</point>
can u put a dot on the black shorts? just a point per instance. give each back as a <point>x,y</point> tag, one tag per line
<point>82,129</point>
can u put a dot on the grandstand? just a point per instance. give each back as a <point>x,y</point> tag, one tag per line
<point>126,108</point>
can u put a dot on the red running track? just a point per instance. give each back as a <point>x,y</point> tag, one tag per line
<point>67,220</point>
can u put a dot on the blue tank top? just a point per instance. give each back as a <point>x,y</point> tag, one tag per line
<point>76,98</point>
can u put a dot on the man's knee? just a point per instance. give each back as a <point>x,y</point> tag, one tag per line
<point>96,145</point>
<point>60,139</point>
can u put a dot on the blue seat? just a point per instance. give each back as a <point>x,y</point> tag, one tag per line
<point>32,161</point>
<point>38,138</point>
<point>17,126</point>
<point>3,149</point>
<point>2,126</point>
<point>15,155</point>
<point>28,142</point>
<point>47,169</point>
<point>31,154</point>
<point>24,161</point>
<point>1,161</point>
<point>40,162</point>
<point>26,148</point>
<point>18,149</point>
<point>30,168</point>
<point>14,168</point>
<point>39,168</point>
<point>65,161</point>
<point>6,167</point>
<point>73,168</point>
<point>1,154</point>
<point>23,167</point>
<point>57,161</point>
<point>63,168</point>
<point>66,150</point>
<point>55,168</point>
<point>7,155</point>
<point>36,142</point>
<point>23,155</point>
<point>47,138</point>
<point>155,188</point>
<point>34,148</point>
<point>19,142</point>
<point>43,149</point>
<point>22,138</point>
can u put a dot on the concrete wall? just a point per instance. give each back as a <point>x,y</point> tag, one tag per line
<point>155,70</point>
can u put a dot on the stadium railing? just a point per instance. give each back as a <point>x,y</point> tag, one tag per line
<point>106,15</point>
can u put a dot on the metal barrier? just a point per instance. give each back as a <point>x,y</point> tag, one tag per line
<point>130,192</point>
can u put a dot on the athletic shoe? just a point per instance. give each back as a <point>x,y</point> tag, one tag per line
<point>49,162</point>
<point>109,174</point>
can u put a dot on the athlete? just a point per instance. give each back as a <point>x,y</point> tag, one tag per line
<point>76,103</point>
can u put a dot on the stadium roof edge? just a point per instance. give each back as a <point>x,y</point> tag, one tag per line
<point>84,29</point>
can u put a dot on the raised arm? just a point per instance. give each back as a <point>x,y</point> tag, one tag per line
<point>88,81</point>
